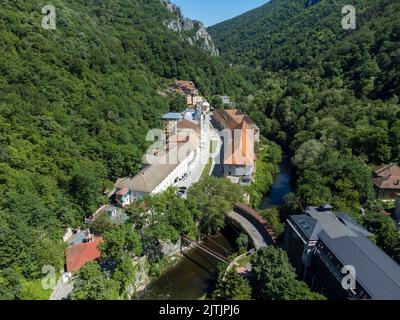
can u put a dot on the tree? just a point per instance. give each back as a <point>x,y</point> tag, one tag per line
<point>231,287</point>
<point>92,284</point>
<point>307,154</point>
<point>385,230</point>
<point>49,252</point>
<point>242,242</point>
<point>121,242</point>
<point>291,206</point>
<point>216,102</point>
<point>342,180</point>
<point>268,159</point>
<point>210,199</point>
<point>10,284</point>
<point>163,214</point>
<point>102,224</point>
<point>275,278</point>
<point>178,103</point>
<point>124,273</point>
<point>272,215</point>
<point>87,185</point>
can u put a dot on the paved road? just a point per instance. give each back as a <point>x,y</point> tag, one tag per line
<point>198,168</point>
<point>219,150</point>
<point>62,291</point>
<point>255,235</point>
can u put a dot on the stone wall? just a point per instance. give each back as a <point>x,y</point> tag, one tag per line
<point>171,252</point>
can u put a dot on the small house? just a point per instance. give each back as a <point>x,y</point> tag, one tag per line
<point>387,181</point>
<point>123,197</point>
<point>77,256</point>
<point>112,211</point>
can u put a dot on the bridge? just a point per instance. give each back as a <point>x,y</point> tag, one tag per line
<point>247,219</point>
<point>256,227</point>
<point>208,250</point>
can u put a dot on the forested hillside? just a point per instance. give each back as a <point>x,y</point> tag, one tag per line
<point>330,95</point>
<point>320,85</point>
<point>75,106</point>
<point>288,35</point>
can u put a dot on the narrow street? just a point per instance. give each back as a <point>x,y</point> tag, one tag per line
<point>201,163</point>
<point>62,291</point>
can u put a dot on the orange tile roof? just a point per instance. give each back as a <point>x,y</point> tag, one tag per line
<point>80,254</point>
<point>239,150</point>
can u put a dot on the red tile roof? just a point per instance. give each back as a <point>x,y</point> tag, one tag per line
<point>77,256</point>
<point>123,191</point>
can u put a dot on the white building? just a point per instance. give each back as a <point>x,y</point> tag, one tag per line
<point>171,167</point>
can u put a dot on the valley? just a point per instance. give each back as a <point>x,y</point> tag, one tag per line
<point>280,111</point>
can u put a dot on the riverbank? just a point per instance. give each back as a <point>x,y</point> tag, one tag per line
<point>282,185</point>
<point>269,156</point>
<point>192,278</point>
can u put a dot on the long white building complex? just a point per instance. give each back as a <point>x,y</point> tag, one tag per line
<point>182,154</point>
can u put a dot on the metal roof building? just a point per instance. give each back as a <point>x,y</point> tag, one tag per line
<point>337,241</point>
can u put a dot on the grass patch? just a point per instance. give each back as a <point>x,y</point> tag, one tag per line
<point>32,290</point>
<point>213,146</point>
<point>207,169</point>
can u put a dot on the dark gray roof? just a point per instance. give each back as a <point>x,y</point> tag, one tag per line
<point>376,272</point>
<point>308,226</point>
<point>330,223</point>
<point>353,225</point>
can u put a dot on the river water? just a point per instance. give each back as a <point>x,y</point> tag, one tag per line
<point>281,187</point>
<point>195,275</point>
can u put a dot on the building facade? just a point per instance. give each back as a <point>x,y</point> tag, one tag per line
<point>170,166</point>
<point>335,256</point>
<point>239,135</point>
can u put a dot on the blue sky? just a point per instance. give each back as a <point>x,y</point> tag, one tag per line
<point>211,12</point>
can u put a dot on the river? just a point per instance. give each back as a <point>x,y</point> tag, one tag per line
<point>193,277</point>
<point>281,187</point>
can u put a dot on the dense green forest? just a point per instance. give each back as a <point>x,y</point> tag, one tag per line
<point>330,96</point>
<point>75,107</point>
<point>76,104</point>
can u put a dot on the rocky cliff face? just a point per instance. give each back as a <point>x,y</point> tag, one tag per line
<point>192,31</point>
